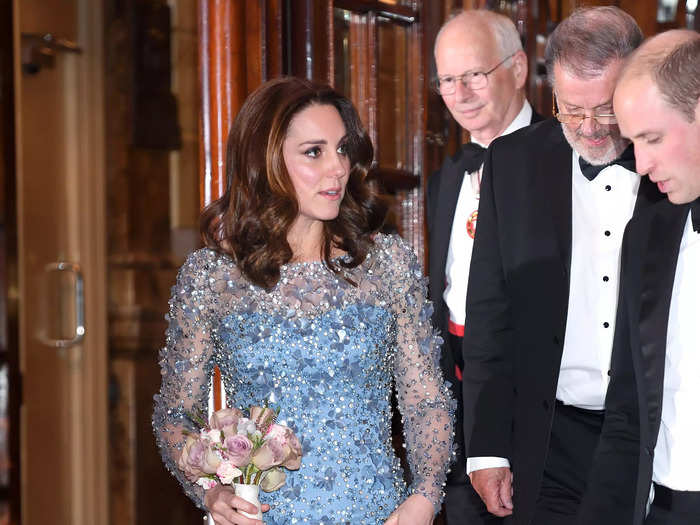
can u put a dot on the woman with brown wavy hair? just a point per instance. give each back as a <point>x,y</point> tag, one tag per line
<point>303,304</point>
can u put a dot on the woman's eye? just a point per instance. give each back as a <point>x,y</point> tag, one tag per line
<point>313,152</point>
<point>653,140</point>
<point>342,150</point>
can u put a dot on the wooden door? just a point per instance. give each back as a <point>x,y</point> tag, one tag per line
<point>61,268</point>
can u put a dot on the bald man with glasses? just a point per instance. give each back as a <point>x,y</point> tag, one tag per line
<point>481,73</point>
<point>543,281</point>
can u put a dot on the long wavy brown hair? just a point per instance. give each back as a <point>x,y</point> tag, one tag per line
<point>251,220</point>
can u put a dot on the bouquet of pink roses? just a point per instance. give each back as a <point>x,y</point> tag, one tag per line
<point>235,448</point>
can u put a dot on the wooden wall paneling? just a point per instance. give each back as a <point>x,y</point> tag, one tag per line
<point>644,12</point>
<point>273,39</point>
<point>310,39</point>
<point>417,76</point>
<point>401,11</point>
<point>10,504</point>
<point>263,41</point>
<point>539,23</point>
<point>219,52</point>
<point>237,40</point>
<point>436,118</point>
<point>254,52</point>
<point>363,65</point>
<point>140,273</point>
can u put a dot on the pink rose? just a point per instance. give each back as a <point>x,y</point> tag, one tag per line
<point>206,483</point>
<point>225,417</point>
<point>270,454</point>
<point>238,450</point>
<point>276,432</point>
<point>227,472</point>
<point>288,441</point>
<point>230,430</point>
<point>293,461</point>
<point>212,459</point>
<point>192,458</point>
<point>263,417</point>
<point>213,436</point>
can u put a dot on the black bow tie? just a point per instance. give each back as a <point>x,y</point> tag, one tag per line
<point>474,156</point>
<point>695,214</point>
<point>626,160</point>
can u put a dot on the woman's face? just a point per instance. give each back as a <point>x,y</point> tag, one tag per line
<point>316,160</point>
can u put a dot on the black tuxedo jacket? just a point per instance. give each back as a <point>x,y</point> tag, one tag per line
<point>621,474</point>
<point>441,201</point>
<point>517,302</point>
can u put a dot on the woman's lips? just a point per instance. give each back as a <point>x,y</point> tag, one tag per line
<point>333,195</point>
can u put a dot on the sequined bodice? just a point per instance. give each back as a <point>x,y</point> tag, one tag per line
<point>326,352</point>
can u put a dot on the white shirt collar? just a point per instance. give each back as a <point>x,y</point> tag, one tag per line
<point>521,120</point>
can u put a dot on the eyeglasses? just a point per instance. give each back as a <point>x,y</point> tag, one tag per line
<point>577,119</point>
<point>472,79</point>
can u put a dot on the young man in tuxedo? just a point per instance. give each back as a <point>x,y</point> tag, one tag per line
<point>652,429</point>
<point>542,294</point>
<point>481,74</point>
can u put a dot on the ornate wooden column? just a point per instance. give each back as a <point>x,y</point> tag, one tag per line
<point>240,47</point>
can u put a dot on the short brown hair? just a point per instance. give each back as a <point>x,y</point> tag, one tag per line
<point>678,78</point>
<point>250,222</point>
<point>589,39</point>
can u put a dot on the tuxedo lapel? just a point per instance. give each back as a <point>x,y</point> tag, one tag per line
<point>657,274</point>
<point>557,189</point>
<point>647,195</point>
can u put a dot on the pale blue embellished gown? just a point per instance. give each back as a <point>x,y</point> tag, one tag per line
<point>326,352</point>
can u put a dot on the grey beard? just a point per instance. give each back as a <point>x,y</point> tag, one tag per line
<point>613,151</point>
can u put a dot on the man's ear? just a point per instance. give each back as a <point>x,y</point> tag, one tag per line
<point>519,68</point>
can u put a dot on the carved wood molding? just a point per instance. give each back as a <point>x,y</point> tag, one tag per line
<point>240,46</point>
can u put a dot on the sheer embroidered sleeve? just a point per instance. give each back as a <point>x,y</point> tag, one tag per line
<point>425,402</point>
<point>186,363</point>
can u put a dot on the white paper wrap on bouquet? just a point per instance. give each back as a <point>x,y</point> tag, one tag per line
<point>250,493</point>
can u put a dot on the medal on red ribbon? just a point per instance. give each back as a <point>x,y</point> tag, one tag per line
<point>471,223</point>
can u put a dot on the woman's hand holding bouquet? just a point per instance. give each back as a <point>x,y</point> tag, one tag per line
<point>236,449</point>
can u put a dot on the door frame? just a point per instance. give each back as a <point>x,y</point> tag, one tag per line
<point>87,238</point>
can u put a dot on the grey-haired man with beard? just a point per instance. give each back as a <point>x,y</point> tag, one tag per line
<point>542,294</point>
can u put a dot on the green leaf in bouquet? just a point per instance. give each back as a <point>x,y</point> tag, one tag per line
<point>198,418</point>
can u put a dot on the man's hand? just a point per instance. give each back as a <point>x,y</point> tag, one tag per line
<point>495,488</point>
